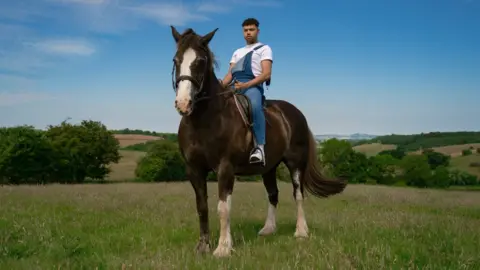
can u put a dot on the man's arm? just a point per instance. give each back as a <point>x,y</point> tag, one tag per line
<point>266,62</point>
<point>228,77</point>
<point>265,75</point>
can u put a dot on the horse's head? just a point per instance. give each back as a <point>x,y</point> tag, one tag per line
<point>193,62</point>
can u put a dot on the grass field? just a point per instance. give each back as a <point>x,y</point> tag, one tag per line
<point>154,226</point>
<point>372,149</point>
<point>131,139</point>
<point>125,168</point>
<point>463,162</point>
<point>453,150</point>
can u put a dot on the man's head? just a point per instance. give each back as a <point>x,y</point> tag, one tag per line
<point>250,30</point>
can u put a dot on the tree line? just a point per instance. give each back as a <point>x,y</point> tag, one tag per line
<point>64,153</point>
<point>394,167</point>
<point>425,140</point>
<point>68,153</point>
<point>338,158</point>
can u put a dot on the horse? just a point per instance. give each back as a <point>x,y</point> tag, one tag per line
<point>214,135</point>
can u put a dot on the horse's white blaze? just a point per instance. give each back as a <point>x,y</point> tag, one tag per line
<point>225,240</point>
<point>302,229</point>
<point>184,90</point>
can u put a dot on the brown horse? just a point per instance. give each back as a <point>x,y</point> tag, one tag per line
<point>214,135</point>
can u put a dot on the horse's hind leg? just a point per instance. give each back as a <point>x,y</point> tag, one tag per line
<point>296,173</point>
<point>270,182</point>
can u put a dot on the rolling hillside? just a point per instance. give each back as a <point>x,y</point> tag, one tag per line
<point>372,149</point>
<point>131,139</point>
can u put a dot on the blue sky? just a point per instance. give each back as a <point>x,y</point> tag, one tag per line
<point>378,67</point>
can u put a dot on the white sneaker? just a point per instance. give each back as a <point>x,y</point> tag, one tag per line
<point>257,156</point>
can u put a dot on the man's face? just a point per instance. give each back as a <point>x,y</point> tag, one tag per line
<point>250,33</point>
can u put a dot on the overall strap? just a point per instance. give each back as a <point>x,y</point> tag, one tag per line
<point>258,47</point>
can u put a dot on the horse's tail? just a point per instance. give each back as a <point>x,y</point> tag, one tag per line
<point>314,181</point>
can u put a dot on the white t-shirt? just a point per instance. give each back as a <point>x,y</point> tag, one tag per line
<point>264,53</point>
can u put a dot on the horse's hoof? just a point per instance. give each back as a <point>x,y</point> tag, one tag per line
<point>202,248</point>
<point>222,251</point>
<point>300,234</point>
<point>267,230</point>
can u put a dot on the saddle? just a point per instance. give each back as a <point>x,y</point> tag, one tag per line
<point>245,108</point>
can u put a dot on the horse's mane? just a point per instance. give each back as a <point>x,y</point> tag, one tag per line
<point>191,39</point>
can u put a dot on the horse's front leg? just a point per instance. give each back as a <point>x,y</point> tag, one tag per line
<point>198,179</point>
<point>226,180</point>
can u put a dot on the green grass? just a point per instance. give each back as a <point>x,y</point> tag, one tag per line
<point>463,163</point>
<point>154,226</point>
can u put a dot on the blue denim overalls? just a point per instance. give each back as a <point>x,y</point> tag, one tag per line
<point>242,72</point>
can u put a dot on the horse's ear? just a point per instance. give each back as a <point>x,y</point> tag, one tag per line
<point>175,34</point>
<point>208,37</point>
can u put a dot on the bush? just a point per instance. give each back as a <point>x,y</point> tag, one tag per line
<point>397,153</point>
<point>340,160</point>
<point>466,152</point>
<point>82,151</point>
<point>283,174</point>
<point>461,178</point>
<point>478,150</point>
<point>382,169</point>
<point>162,163</point>
<point>26,156</point>
<point>441,177</point>
<point>416,171</point>
<point>436,159</point>
<point>475,164</point>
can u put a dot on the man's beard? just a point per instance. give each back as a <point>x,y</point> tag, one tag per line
<point>251,41</point>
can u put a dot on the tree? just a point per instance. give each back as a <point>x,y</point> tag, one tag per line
<point>397,153</point>
<point>436,159</point>
<point>162,163</point>
<point>416,171</point>
<point>83,151</point>
<point>339,158</point>
<point>383,169</point>
<point>441,177</point>
<point>25,156</point>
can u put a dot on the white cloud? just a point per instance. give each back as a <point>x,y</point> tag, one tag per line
<point>65,47</point>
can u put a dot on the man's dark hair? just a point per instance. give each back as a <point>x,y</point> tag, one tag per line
<point>251,21</point>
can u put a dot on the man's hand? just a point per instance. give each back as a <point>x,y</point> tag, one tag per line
<point>241,86</point>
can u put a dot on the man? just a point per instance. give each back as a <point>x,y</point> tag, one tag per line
<point>250,67</point>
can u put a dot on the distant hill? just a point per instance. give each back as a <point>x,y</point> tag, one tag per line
<point>351,137</point>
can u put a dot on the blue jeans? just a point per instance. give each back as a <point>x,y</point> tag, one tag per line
<point>258,115</point>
